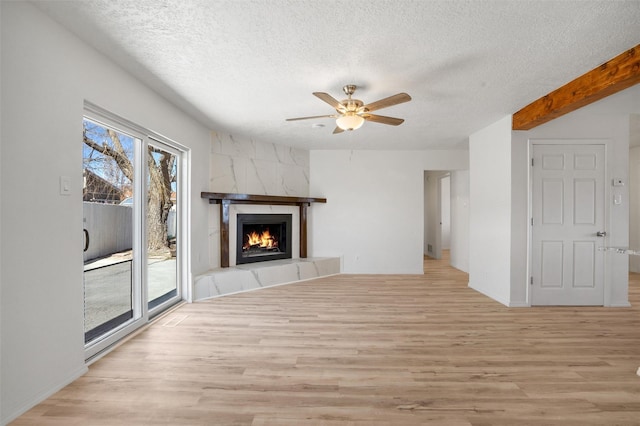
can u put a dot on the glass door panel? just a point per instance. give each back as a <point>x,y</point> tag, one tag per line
<point>131,228</point>
<point>107,298</point>
<point>162,220</point>
<point>108,227</point>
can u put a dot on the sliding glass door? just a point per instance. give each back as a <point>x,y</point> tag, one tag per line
<point>162,224</point>
<point>111,284</point>
<point>131,229</point>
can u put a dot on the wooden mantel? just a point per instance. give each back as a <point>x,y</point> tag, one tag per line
<point>226,199</point>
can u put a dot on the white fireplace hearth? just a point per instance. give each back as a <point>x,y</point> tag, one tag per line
<point>254,276</point>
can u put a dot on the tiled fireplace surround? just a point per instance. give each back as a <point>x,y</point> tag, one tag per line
<point>249,167</point>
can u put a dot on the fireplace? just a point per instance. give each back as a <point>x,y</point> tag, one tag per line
<point>227,201</point>
<point>263,237</point>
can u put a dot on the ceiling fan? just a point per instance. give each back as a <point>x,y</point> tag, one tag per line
<point>352,113</point>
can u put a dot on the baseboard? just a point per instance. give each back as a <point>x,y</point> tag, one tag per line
<point>489,295</point>
<point>41,396</point>
<point>621,304</point>
<point>519,305</point>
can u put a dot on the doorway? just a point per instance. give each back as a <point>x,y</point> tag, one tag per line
<point>446,216</point>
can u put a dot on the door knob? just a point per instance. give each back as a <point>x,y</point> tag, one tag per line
<point>601,234</point>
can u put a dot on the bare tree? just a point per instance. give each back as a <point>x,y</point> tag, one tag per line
<point>161,169</point>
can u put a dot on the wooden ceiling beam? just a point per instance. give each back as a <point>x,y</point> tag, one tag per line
<point>618,74</point>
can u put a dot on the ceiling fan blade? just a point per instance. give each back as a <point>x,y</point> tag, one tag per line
<point>330,100</point>
<point>387,102</point>
<point>382,119</point>
<point>311,117</point>
<point>337,130</point>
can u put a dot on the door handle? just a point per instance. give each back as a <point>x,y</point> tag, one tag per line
<point>601,234</point>
<point>86,240</point>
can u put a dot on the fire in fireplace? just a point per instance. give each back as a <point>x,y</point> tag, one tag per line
<point>263,237</point>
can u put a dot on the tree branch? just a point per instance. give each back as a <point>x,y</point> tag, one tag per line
<point>118,155</point>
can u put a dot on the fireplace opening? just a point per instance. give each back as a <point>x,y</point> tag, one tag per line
<point>263,237</point>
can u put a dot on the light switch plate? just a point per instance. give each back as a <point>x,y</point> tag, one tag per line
<point>65,185</point>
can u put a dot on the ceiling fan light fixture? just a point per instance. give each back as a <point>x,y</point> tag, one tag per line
<point>350,114</point>
<point>350,121</point>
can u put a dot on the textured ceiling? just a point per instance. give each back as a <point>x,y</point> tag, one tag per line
<point>244,66</point>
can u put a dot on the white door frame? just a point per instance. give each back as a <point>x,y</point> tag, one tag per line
<point>142,316</point>
<point>439,214</point>
<point>607,206</point>
<point>436,239</point>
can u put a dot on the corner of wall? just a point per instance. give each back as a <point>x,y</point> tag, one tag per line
<point>490,198</point>
<point>519,218</point>
<point>497,296</point>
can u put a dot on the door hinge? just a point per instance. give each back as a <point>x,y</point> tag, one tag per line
<point>532,162</point>
<point>531,221</point>
<point>531,281</point>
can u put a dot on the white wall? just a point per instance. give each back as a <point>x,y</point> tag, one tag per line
<point>634,187</point>
<point>47,74</point>
<point>496,163</point>
<point>593,123</point>
<point>490,213</point>
<point>499,163</point>
<point>374,216</point>
<point>460,220</point>
<point>634,207</point>
<point>1,233</point>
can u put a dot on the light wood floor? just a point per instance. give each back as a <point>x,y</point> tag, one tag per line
<point>366,350</point>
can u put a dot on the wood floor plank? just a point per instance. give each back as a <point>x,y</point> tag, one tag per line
<point>366,350</point>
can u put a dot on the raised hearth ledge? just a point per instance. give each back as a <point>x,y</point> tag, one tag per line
<point>254,276</point>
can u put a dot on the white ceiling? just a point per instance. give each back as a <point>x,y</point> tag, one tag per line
<point>243,66</point>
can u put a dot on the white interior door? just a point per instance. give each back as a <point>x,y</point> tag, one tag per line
<point>568,203</point>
